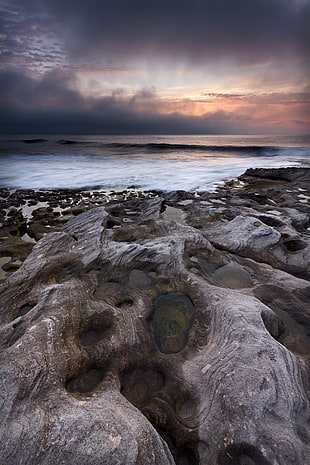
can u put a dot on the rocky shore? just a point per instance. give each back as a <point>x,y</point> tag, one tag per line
<point>157,328</point>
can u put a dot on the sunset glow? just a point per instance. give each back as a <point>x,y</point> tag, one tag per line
<point>214,67</point>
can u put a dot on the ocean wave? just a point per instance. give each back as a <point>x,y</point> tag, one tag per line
<point>34,141</point>
<point>228,150</point>
<point>265,150</point>
<point>67,142</point>
<point>193,147</point>
<point>200,148</point>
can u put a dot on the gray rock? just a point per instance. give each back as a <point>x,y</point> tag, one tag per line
<point>115,352</point>
<point>244,235</point>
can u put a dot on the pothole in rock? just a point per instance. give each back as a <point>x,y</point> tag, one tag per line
<point>113,222</point>
<point>172,319</point>
<point>139,385</point>
<point>25,309</point>
<point>294,245</point>
<point>86,382</point>
<point>125,303</point>
<point>185,408</point>
<point>273,324</point>
<point>202,261</point>
<point>99,326</point>
<point>188,457</point>
<point>295,341</point>
<point>271,221</point>
<point>233,276</point>
<point>90,337</point>
<point>242,454</point>
<point>107,289</point>
<point>290,323</point>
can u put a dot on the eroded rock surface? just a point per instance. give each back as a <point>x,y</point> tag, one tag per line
<point>130,338</point>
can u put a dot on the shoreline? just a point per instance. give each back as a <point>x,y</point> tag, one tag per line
<point>28,214</point>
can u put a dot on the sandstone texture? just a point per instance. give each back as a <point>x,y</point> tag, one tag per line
<point>161,328</point>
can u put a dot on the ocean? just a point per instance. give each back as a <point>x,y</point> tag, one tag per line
<point>191,163</point>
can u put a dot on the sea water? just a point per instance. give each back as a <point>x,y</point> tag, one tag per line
<point>192,163</point>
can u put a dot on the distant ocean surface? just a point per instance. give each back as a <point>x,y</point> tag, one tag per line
<point>192,163</point>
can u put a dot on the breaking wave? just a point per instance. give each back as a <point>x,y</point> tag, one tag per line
<point>148,162</point>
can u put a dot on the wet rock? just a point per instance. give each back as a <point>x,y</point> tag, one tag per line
<point>284,174</point>
<point>86,382</point>
<point>15,247</point>
<point>140,385</point>
<point>37,230</point>
<point>160,348</point>
<point>12,265</point>
<point>172,320</point>
<point>233,275</point>
<point>140,280</point>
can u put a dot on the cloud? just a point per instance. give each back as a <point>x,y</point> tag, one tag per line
<point>190,30</point>
<point>54,89</point>
<point>271,98</point>
<point>53,104</point>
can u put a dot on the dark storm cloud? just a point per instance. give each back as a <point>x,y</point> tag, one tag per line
<point>114,120</point>
<point>51,105</point>
<point>194,30</point>
<point>53,89</point>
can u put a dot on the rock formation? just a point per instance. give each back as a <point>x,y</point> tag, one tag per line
<point>129,338</point>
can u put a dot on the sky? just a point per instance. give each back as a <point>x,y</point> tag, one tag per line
<point>161,67</point>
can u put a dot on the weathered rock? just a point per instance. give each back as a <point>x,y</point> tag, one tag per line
<point>154,348</point>
<point>250,237</point>
<point>289,174</point>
